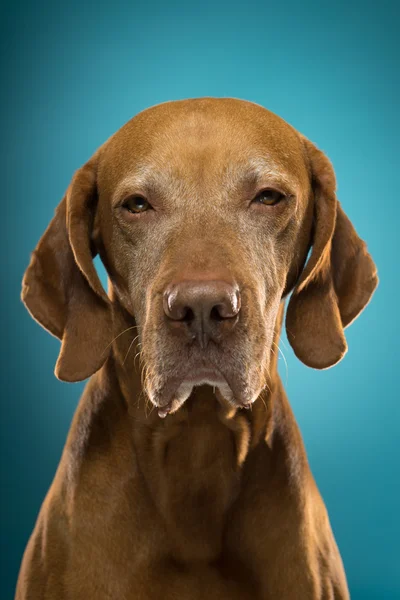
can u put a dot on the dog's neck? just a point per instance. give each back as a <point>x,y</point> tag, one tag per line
<point>193,461</point>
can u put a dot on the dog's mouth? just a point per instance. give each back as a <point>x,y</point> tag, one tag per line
<point>176,390</point>
<point>237,367</point>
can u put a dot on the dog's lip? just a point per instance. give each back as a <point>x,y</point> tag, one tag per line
<point>193,377</point>
<point>200,375</point>
<point>204,375</point>
<point>177,389</point>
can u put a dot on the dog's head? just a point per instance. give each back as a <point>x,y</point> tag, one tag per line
<point>204,212</point>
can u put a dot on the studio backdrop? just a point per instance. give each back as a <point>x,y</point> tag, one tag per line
<point>71,75</point>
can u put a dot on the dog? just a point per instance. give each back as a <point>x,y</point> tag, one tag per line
<point>206,213</point>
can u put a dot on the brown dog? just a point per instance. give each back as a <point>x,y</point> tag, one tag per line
<point>203,212</point>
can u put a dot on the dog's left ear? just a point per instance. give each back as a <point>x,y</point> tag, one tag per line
<point>337,281</point>
<point>61,288</point>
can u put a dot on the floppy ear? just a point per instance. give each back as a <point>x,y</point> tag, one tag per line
<point>61,288</point>
<point>337,281</point>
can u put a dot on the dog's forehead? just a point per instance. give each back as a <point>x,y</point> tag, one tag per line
<point>204,138</point>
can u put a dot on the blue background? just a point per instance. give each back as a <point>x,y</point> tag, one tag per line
<point>71,75</point>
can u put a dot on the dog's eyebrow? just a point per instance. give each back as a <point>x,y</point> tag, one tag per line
<point>145,179</point>
<point>256,171</point>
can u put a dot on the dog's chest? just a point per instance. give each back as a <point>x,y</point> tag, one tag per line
<point>192,475</point>
<point>166,503</point>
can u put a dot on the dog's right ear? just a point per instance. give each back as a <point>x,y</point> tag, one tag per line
<point>61,288</point>
<point>338,280</point>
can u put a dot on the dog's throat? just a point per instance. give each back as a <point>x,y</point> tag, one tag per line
<point>192,466</point>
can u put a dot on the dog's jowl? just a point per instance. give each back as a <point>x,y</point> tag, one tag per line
<point>184,475</point>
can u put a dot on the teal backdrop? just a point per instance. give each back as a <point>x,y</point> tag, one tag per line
<point>71,74</point>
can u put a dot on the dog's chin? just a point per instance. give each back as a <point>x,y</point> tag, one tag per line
<point>168,404</point>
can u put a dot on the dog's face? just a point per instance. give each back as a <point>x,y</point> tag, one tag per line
<point>203,212</point>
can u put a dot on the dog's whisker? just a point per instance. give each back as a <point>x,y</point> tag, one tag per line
<point>136,356</point>
<point>152,407</point>
<point>281,340</point>
<point>129,349</point>
<point>263,401</point>
<point>284,358</point>
<point>138,353</point>
<point>117,336</point>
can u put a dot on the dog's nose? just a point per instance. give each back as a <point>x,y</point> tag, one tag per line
<point>205,309</point>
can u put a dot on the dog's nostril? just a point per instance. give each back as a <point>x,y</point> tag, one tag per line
<point>177,310</point>
<point>217,313</point>
<point>188,315</point>
<point>207,309</point>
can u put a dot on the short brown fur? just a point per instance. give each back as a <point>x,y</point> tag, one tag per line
<point>213,501</point>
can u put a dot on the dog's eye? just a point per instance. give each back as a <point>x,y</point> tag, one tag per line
<point>136,204</point>
<point>269,197</point>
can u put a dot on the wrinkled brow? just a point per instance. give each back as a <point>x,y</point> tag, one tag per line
<point>257,172</point>
<point>149,179</point>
